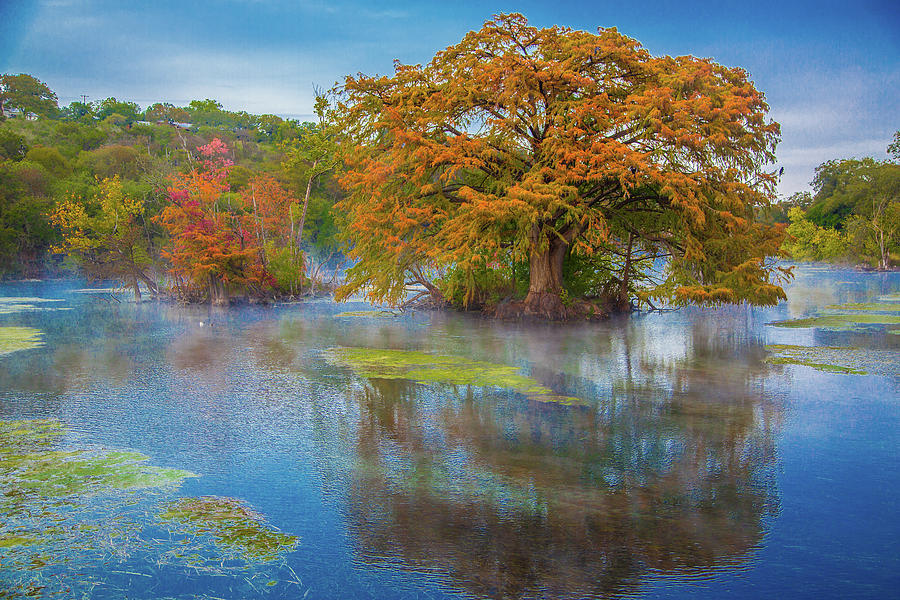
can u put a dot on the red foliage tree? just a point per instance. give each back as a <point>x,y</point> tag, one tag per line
<point>211,245</point>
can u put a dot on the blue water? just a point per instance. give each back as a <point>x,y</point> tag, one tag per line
<point>693,468</point>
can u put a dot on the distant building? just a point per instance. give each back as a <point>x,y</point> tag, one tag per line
<point>12,111</point>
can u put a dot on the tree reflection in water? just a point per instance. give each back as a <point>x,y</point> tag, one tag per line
<point>513,498</point>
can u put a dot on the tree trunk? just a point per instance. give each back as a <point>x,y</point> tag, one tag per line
<point>545,279</point>
<point>621,302</point>
<point>151,285</point>
<point>218,295</point>
<point>306,204</point>
<point>136,287</point>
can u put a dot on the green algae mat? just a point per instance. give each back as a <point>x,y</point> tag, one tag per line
<point>373,314</point>
<point>867,306</point>
<point>234,526</point>
<point>16,304</point>
<point>78,508</point>
<point>425,368</point>
<point>852,316</point>
<point>13,339</point>
<point>841,321</point>
<point>836,359</point>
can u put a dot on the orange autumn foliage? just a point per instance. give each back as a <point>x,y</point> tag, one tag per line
<point>534,144</point>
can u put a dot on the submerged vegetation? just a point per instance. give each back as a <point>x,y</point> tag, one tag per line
<point>234,526</point>
<point>15,304</point>
<point>817,357</point>
<point>848,317</point>
<point>840,321</point>
<point>867,306</point>
<point>427,368</point>
<point>13,339</point>
<point>63,508</point>
<point>837,359</point>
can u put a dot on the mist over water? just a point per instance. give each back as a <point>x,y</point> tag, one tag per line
<point>687,464</point>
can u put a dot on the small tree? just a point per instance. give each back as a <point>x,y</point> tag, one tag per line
<point>107,240</point>
<point>313,154</point>
<point>210,245</point>
<point>26,93</point>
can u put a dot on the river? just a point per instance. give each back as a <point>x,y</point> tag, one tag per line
<point>323,450</point>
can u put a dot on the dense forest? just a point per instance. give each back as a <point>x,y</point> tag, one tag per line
<point>197,200</point>
<point>853,215</point>
<point>566,173</point>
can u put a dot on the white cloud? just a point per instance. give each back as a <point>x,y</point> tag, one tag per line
<point>800,162</point>
<point>827,114</point>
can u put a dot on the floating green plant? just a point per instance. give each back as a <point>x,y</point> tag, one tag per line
<point>75,511</point>
<point>867,306</point>
<point>30,467</point>
<point>835,359</point>
<point>15,304</point>
<point>432,368</point>
<point>377,314</point>
<point>839,321</point>
<point>11,540</point>
<point>67,506</point>
<point>234,526</point>
<point>13,339</point>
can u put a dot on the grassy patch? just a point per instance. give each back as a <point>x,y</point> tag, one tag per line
<point>13,339</point>
<point>432,368</point>
<point>233,526</point>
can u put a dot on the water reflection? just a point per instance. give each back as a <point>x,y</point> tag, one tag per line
<point>666,473</point>
<point>512,498</point>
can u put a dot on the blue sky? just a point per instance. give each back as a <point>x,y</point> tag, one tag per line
<point>830,70</point>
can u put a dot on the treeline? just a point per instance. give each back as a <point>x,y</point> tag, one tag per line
<point>853,216</point>
<point>198,199</point>
<point>213,204</point>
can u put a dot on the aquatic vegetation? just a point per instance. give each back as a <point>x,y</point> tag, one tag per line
<point>234,526</point>
<point>835,359</point>
<point>13,339</point>
<point>867,306</point>
<point>6,300</point>
<point>74,509</point>
<point>377,314</point>
<point>839,321</point>
<point>15,304</point>
<point>31,469</point>
<point>422,367</point>
<point>44,485</point>
<point>56,501</point>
